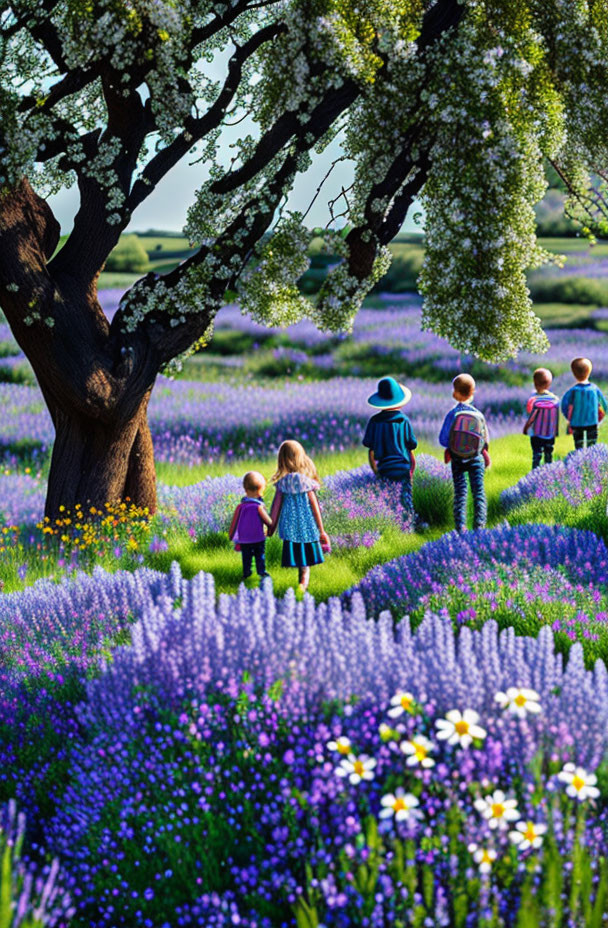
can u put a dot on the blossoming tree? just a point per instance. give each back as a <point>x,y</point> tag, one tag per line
<point>458,100</point>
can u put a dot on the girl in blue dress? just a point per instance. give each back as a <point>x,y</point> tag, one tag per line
<point>296,513</point>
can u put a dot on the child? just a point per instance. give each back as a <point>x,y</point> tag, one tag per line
<point>390,438</point>
<point>464,435</point>
<point>583,405</point>
<point>247,527</point>
<point>543,418</point>
<point>296,513</point>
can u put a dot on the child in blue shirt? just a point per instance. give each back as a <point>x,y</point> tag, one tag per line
<point>583,405</point>
<point>390,438</point>
<point>467,449</point>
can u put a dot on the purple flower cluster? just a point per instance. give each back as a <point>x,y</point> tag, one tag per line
<point>21,500</point>
<point>581,478</point>
<point>192,422</point>
<point>395,331</point>
<point>49,626</point>
<point>524,598</point>
<point>206,760</point>
<point>202,508</point>
<point>357,505</point>
<point>400,584</point>
<point>199,781</point>
<point>52,637</point>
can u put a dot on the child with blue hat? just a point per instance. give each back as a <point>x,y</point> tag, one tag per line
<point>390,438</point>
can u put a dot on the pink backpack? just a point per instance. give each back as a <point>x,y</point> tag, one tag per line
<point>467,434</point>
<point>545,417</point>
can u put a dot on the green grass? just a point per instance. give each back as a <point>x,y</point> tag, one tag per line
<point>111,281</point>
<point>564,315</point>
<point>566,246</point>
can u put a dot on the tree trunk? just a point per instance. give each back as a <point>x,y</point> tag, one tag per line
<point>96,462</point>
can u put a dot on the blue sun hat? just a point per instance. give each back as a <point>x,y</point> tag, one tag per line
<point>390,394</point>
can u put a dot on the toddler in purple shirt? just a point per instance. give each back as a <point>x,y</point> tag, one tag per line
<point>247,527</point>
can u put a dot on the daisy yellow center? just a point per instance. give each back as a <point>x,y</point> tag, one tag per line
<point>498,810</point>
<point>406,702</point>
<point>359,767</point>
<point>578,783</point>
<point>530,833</point>
<point>462,727</point>
<point>399,804</point>
<point>520,700</point>
<point>420,750</point>
<point>486,858</point>
<point>343,748</point>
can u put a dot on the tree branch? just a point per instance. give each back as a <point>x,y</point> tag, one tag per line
<point>197,129</point>
<point>380,227</point>
<point>204,33</point>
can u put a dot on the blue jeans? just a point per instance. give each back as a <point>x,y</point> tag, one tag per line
<point>475,468</point>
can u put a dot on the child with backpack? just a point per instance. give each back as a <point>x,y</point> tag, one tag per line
<point>464,435</point>
<point>542,424</point>
<point>247,527</point>
<point>584,405</point>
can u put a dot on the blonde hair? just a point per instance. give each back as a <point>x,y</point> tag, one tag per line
<point>464,385</point>
<point>581,368</point>
<point>542,377</point>
<point>292,459</point>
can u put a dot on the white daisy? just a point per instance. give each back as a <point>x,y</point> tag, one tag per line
<point>400,804</point>
<point>519,700</point>
<point>460,728</point>
<point>528,834</point>
<point>497,810</point>
<point>418,750</point>
<point>401,702</point>
<point>342,745</point>
<point>581,785</point>
<point>484,857</point>
<point>356,768</point>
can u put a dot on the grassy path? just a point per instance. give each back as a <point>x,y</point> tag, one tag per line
<point>510,461</point>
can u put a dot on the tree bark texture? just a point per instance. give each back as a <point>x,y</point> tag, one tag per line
<point>95,462</point>
<point>96,389</point>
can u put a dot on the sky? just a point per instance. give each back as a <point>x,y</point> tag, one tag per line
<point>167,206</point>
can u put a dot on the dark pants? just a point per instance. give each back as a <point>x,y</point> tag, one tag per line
<point>475,468</point>
<point>251,551</point>
<point>586,431</point>
<point>541,446</point>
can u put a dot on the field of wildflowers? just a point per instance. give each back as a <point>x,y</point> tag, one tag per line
<point>317,394</point>
<point>288,764</point>
<point>429,748</point>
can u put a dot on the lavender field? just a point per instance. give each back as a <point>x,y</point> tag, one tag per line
<point>421,741</point>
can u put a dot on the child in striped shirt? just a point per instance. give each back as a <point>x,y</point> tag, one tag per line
<point>542,424</point>
<point>584,405</point>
